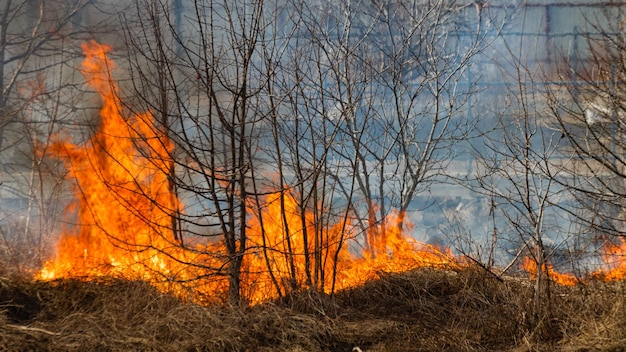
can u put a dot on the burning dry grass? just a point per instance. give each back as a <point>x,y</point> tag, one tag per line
<point>421,310</point>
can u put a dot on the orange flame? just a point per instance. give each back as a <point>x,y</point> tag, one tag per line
<point>614,269</point>
<point>125,208</point>
<point>614,256</point>
<point>560,278</point>
<point>123,199</point>
<point>393,250</point>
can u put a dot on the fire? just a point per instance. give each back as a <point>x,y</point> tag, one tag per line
<point>614,266</point>
<point>615,261</point>
<point>392,250</point>
<point>123,202</point>
<point>560,278</point>
<point>124,206</point>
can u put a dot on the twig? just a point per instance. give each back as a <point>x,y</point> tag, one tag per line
<point>485,268</point>
<point>27,328</point>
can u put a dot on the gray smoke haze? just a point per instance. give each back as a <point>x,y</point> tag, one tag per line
<point>44,95</point>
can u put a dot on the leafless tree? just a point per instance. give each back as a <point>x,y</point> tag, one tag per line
<point>524,165</point>
<point>353,109</point>
<point>198,78</point>
<point>31,36</point>
<point>381,101</point>
<point>517,171</point>
<point>37,95</point>
<point>589,111</point>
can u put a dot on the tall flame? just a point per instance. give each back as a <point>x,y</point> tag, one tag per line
<point>125,205</point>
<point>121,187</point>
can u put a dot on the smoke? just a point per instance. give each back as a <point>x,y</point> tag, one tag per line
<point>449,208</point>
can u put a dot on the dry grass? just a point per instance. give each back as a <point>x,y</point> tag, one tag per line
<point>421,310</point>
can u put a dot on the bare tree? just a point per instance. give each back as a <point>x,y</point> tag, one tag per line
<point>518,172</point>
<point>37,96</point>
<point>394,88</point>
<point>589,111</point>
<point>30,32</point>
<point>201,89</point>
<point>350,109</point>
<point>520,168</point>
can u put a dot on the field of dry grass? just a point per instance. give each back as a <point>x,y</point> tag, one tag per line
<point>421,310</point>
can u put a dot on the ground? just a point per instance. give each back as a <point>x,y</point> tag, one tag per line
<point>421,310</point>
